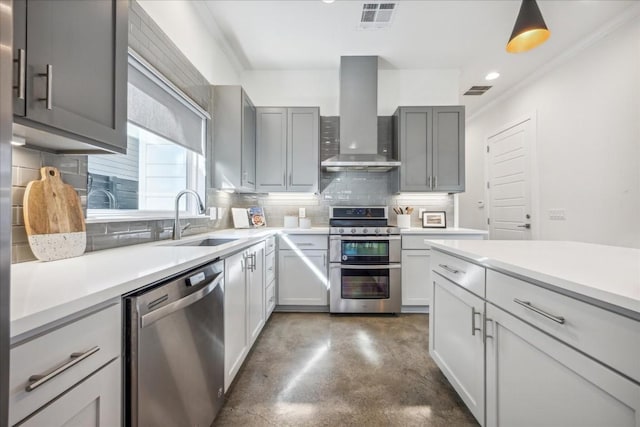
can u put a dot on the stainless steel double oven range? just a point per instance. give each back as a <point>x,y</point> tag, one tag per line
<point>364,254</point>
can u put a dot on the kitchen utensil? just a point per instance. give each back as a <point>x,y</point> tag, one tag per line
<point>290,221</point>
<point>53,218</point>
<point>240,218</point>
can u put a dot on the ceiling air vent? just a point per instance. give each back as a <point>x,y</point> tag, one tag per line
<point>477,90</point>
<point>377,15</point>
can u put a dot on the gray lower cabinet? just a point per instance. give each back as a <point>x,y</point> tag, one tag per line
<point>430,143</point>
<point>234,140</point>
<point>287,149</point>
<point>71,71</point>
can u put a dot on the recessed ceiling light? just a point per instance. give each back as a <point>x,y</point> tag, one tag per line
<point>492,75</point>
<point>328,1</point>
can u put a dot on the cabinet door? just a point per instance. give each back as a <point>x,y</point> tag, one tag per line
<point>302,278</point>
<point>256,292</point>
<point>235,316</point>
<point>448,148</point>
<point>248,143</point>
<point>416,275</point>
<point>303,135</point>
<point>93,402</point>
<point>19,56</point>
<point>415,143</point>
<point>455,340</point>
<point>535,380</point>
<point>271,149</point>
<point>85,43</point>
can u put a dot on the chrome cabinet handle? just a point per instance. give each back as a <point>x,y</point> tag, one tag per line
<point>473,321</point>
<point>528,305</point>
<point>486,335</point>
<point>284,179</point>
<point>324,260</point>
<point>451,270</point>
<point>48,99</point>
<point>524,226</point>
<point>435,181</point>
<point>36,381</point>
<point>290,180</point>
<point>429,181</point>
<point>22,63</point>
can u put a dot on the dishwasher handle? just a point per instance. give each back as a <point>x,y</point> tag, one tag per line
<point>163,311</point>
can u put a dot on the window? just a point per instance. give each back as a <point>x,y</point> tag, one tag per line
<point>165,152</point>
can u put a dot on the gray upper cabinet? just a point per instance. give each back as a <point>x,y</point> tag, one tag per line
<point>271,134</point>
<point>234,140</point>
<point>288,149</point>
<point>19,57</point>
<point>430,144</point>
<point>75,72</point>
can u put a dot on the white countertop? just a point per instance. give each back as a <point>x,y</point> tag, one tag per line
<point>44,292</point>
<point>441,231</point>
<point>609,274</point>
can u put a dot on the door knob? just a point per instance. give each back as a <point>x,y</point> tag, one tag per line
<point>525,226</point>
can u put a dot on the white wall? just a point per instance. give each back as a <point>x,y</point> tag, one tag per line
<point>322,88</point>
<point>588,143</point>
<point>184,24</point>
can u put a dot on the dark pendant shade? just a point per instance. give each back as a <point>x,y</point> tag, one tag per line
<point>529,30</point>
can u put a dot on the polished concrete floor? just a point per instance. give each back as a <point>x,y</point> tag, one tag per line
<point>321,370</point>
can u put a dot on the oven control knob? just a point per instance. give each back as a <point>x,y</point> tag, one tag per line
<point>389,231</point>
<point>377,231</point>
<point>353,231</point>
<point>341,230</point>
<point>365,231</point>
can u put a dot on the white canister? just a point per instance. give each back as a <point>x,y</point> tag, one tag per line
<point>305,223</point>
<point>404,221</point>
<point>290,221</point>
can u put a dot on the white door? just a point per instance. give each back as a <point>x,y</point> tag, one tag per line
<point>302,278</point>
<point>235,316</point>
<point>455,340</point>
<point>510,182</point>
<point>255,292</point>
<point>416,276</point>
<point>534,380</point>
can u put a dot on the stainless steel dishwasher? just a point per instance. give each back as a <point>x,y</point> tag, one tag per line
<point>174,370</point>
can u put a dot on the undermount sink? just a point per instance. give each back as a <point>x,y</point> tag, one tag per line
<point>206,242</point>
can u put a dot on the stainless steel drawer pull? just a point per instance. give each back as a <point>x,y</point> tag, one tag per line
<point>451,270</point>
<point>36,381</point>
<point>528,305</point>
<point>22,64</point>
<point>303,244</point>
<point>473,321</point>
<point>48,99</point>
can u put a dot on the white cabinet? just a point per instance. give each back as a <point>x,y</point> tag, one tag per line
<point>302,278</point>
<point>235,316</point>
<point>255,292</point>
<point>416,267</point>
<point>270,277</point>
<point>244,307</point>
<point>416,276</point>
<point>93,402</point>
<point>63,359</point>
<point>456,340</point>
<point>534,380</point>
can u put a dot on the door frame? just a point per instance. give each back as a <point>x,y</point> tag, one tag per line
<point>532,118</point>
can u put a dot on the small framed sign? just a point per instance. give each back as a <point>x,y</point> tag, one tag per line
<point>434,220</point>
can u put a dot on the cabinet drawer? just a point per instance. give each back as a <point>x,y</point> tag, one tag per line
<point>270,298</point>
<point>466,274</point>
<point>416,242</point>
<point>606,336</point>
<point>270,244</point>
<point>270,267</point>
<point>97,338</point>
<point>303,241</point>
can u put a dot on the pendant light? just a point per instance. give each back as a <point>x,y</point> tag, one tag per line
<point>529,30</point>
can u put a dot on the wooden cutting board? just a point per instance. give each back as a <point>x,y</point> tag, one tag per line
<point>53,218</point>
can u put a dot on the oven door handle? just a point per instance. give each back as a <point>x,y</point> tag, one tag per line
<point>365,238</point>
<point>367,267</point>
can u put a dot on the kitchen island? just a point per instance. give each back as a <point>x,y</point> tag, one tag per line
<point>512,318</point>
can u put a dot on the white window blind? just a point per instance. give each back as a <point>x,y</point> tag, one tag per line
<point>156,105</point>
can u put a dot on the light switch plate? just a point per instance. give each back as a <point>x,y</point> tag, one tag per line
<point>302,212</point>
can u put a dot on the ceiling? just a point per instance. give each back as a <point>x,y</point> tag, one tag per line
<point>469,36</point>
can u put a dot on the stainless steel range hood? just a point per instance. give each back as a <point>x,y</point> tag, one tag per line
<point>359,118</point>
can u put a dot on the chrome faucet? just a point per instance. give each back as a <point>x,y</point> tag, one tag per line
<point>109,194</point>
<point>177,230</point>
